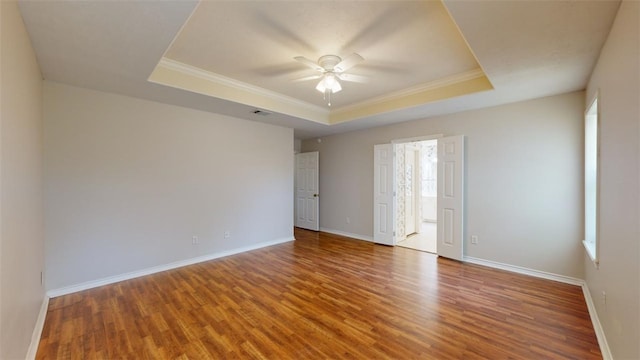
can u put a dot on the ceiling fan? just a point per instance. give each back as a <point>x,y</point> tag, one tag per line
<point>331,70</point>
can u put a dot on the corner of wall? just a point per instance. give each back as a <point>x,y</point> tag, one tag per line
<point>615,284</point>
<point>21,185</point>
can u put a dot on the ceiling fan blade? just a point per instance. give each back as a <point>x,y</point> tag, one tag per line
<point>348,62</point>
<point>310,63</point>
<point>307,78</point>
<point>353,78</point>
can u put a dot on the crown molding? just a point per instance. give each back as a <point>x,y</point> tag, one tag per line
<point>187,77</point>
<point>414,90</point>
<point>234,90</point>
<point>226,81</point>
<point>465,83</point>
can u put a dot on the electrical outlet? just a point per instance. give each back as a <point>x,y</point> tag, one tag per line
<point>227,234</point>
<point>194,240</point>
<point>348,220</point>
<point>474,239</point>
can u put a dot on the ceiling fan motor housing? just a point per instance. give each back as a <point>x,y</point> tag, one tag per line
<point>328,62</point>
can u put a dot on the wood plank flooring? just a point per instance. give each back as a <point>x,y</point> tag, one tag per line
<point>323,297</point>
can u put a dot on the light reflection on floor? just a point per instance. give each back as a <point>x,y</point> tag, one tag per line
<point>424,241</point>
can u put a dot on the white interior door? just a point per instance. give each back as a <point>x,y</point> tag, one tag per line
<point>450,196</point>
<point>307,202</point>
<point>383,175</point>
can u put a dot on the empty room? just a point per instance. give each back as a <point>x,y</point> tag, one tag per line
<point>443,179</point>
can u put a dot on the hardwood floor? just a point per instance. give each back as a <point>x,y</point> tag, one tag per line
<point>323,297</point>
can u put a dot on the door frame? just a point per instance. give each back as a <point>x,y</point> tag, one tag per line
<point>394,237</point>
<point>394,210</point>
<point>394,142</point>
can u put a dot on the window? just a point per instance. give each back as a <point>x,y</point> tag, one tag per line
<point>591,162</point>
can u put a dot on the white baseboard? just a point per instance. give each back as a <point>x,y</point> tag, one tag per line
<point>593,314</point>
<point>343,233</point>
<point>525,271</point>
<point>37,330</point>
<point>597,326</point>
<point>152,270</point>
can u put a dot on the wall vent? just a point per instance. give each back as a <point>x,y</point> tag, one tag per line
<point>261,112</point>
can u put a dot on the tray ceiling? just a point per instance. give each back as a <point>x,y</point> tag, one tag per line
<point>244,52</point>
<point>423,58</point>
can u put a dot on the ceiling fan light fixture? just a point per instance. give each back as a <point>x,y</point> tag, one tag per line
<point>331,69</point>
<point>329,83</point>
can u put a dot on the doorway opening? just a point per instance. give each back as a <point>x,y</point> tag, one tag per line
<point>416,195</point>
<point>450,195</point>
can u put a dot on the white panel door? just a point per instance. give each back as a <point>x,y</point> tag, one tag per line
<point>450,196</point>
<point>383,176</point>
<point>307,203</point>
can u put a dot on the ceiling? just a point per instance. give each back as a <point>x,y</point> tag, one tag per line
<point>421,58</point>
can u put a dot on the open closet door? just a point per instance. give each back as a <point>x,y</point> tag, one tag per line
<point>450,196</point>
<point>383,194</point>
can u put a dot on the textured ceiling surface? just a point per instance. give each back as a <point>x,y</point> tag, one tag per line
<point>526,48</point>
<point>403,44</point>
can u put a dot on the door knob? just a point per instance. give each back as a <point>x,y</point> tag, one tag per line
<point>315,195</point>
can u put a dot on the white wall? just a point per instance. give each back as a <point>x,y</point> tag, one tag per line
<point>429,208</point>
<point>523,180</point>
<point>129,182</point>
<point>617,77</point>
<point>297,145</point>
<point>21,213</point>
